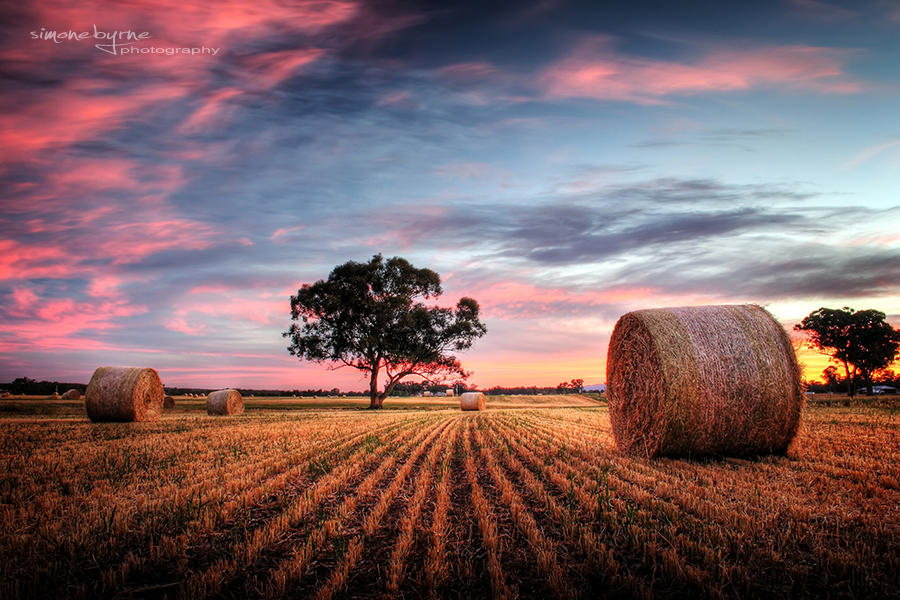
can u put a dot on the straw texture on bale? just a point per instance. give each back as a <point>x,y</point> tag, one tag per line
<point>472,401</point>
<point>168,402</point>
<point>72,394</point>
<point>224,402</point>
<point>703,380</point>
<point>124,394</point>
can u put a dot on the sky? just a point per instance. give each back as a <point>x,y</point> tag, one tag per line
<point>162,194</point>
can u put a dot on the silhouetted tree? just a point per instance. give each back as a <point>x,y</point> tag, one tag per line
<point>365,316</point>
<point>862,341</point>
<point>832,378</point>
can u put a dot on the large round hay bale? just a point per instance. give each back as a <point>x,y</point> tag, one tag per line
<point>224,402</point>
<point>168,402</point>
<point>124,394</point>
<point>703,380</point>
<point>472,401</point>
<point>72,394</point>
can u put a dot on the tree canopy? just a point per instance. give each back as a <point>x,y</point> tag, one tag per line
<point>365,316</point>
<point>862,341</point>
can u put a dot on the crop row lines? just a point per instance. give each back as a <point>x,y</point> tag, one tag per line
<point>244,492</point>
<point>487,524</point>
<point>375,518</point>
<point>747,550</point>
<point>291,572</point>
<point>246,554</point>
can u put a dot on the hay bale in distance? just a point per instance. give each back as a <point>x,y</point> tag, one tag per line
<point>703,380</point>
<point>53,396</point>
<point>426,394</point>
<point>168,402</point>
<point>72,394</point>
<point>448,393</point>
<point>472,401</point>
<point>224,402</point>
<point>124,394</point>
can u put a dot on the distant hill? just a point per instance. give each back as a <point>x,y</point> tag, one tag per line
<point>597,387</point>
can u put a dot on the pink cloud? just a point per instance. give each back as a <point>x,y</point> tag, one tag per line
<point>259,307</point>
<point>180,325</point>
<point>178,23</point>
<point>131,242</point>
<point>469,72</point>
<point>18,260</point>
<point>595,70</point>
<point>80,111</point>
<point>41,323</point>
<point>87,108</point>
<point>286,233</point>
<point>399,99</point>
<point>272,68</point>
<point>511,299</point>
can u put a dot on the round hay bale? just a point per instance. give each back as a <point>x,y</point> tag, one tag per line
<point>703,380</point>
<point>426,394</point>
<point>124,394</point>
<point>72,394</point>
<point>472,401</point>
<point>168,402</point>
<point>53,396</point>
<point>224,402</point>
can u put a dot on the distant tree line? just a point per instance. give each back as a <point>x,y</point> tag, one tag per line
<point>25,386</point>
<point>833,382</point>
<point>30,387</point>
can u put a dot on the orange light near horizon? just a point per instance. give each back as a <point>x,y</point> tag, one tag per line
<point>813,363</point>
<point>538,372</point>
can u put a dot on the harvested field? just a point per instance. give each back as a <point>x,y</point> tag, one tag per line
<point>530,503</point>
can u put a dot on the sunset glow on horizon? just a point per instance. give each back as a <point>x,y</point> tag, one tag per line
<point>561,163</point>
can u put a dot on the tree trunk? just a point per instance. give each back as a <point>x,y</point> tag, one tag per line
<point>375,402</point>
<point>851,384</point>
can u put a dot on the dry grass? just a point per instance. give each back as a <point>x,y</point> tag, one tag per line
<point>707,380</point>
<point>124,394</point>
<point>503,503</point>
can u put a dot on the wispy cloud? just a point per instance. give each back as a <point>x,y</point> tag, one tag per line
<point>871,152</point>
<point>596,70</point>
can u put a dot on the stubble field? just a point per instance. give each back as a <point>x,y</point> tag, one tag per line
<point>512,502</point>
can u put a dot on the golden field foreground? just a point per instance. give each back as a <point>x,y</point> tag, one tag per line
<point>510,502</point>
